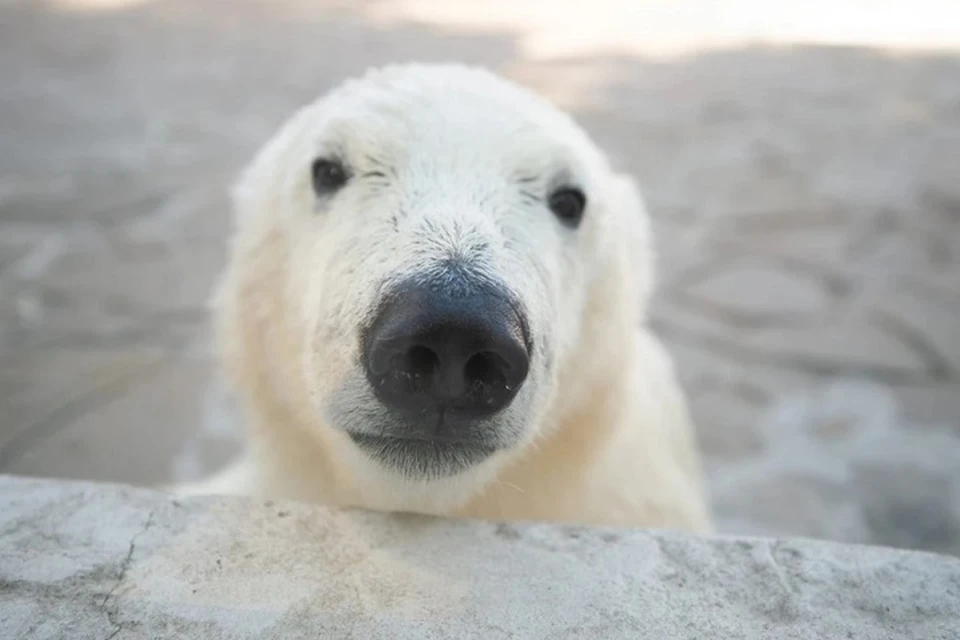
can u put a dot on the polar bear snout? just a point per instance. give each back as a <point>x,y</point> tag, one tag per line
<point>446,355</point>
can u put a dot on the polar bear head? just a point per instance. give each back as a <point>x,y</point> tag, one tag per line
<point>432,268</point>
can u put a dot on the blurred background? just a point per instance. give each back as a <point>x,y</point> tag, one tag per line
<point>801,160</point>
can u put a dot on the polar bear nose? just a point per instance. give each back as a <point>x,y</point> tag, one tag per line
<point>462,354</point>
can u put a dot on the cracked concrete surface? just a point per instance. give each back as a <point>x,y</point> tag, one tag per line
<point>806,203</point>
<point>113,611</point>
<point>231,568</point>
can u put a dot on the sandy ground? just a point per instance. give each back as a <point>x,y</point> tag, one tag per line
<point>806,197</point>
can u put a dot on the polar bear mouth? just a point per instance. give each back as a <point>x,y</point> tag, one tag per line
<point>424,457</point>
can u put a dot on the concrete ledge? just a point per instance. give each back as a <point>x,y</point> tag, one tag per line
<point>98,561</point>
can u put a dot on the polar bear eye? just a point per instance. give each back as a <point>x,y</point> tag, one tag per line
<point>568,204</point>
<point>328,176</point>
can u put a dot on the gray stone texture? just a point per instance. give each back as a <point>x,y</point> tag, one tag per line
<point>806,201</point>
<point>213,569</point>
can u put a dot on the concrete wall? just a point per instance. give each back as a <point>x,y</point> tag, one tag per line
<point>101,561</point>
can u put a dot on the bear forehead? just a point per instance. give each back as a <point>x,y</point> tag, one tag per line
<point>446,91</point>
<point>447,110</point>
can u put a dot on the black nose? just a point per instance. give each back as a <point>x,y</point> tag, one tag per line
<point>463,354</point>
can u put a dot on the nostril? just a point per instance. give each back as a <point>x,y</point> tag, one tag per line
<point>486,368</point>
<point>420,362</point>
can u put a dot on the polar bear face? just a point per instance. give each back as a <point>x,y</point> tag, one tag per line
<point>448,243</point>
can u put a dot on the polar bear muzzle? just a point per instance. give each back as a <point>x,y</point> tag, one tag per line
<point>444,357</point>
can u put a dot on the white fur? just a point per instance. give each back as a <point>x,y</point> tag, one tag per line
<point>599,433</point>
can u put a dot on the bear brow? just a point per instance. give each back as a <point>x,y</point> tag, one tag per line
<point>381,168</point>
<point>374,160</point>
<point>530,195</point>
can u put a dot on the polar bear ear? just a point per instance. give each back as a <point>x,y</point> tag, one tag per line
<point>635,233</point>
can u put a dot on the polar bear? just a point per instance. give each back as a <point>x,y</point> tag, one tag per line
<point>435,303</point>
